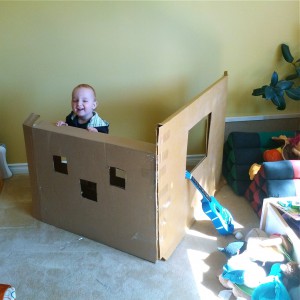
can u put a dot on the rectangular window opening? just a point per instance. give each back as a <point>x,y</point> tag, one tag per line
<point>88,189</point>
<point>198,139</point>
<point>117,177</point>
<point>60,164</point>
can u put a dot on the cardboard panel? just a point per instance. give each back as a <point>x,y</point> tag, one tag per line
<point>83,201</point>
<point>174,195</point>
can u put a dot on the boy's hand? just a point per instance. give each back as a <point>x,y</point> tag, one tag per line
<point>92,129</point>
<point>61,123</point>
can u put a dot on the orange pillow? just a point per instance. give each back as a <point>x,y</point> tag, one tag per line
<point>272,155</point>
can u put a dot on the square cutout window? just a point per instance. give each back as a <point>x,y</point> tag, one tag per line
<point>117,177</point>
<point>60,164</point>
<point>198,139</point>
<point>88,189</point>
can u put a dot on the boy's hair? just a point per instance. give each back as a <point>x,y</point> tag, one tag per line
<point>84,85</point>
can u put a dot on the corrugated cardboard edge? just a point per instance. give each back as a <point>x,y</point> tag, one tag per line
<point>27,130</point>
<point>174,193</point>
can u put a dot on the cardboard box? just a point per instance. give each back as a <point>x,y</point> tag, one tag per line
<point>127,194</point>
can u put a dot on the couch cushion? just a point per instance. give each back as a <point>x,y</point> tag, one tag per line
<point>241,150</point>
<point>274,179</point>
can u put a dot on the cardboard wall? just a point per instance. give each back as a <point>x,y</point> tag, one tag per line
<point>130,195</point>
<point>89,200</point>
<point>175,193</point>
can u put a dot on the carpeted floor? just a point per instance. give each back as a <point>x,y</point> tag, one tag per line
<point>46,263</point>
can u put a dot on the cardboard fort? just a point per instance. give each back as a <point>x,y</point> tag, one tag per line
<point>124,193</point>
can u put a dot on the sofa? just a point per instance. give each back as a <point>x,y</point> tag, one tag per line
<point>274,179</point>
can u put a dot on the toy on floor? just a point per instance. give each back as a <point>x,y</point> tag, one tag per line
<point>7,292</point>
<point>238,235</point>
<point>275,286</point>
<point>253,261</point>
<point>219,215</point>
<point>278,285</point>
<point>234,248</point>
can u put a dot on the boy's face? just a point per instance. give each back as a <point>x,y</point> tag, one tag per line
<point>83,103</point>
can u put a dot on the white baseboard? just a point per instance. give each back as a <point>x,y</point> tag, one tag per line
<point>19,168</point>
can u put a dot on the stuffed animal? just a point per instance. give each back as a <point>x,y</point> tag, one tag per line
<point>278,285</point>
<point>291,147</point>
<point>250,263</point>
<point>275,285</point>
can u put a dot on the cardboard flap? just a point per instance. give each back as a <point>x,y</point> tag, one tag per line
<point>31,120</point>
<point>174,197</point>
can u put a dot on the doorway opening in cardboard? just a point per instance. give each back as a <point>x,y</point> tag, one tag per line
<point>117,177</point>
<point>88,189</point>
<point>198,138</point>
<point>60,164</point>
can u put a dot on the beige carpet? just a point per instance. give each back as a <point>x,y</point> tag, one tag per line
<point>46,263</point>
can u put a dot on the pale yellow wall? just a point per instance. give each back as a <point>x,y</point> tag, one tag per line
<point>145,59</point>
